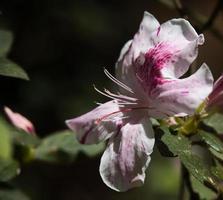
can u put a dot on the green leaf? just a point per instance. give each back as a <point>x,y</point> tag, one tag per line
<point>8,169</point>
<point>5,141</point>
<point>217,154</point>
<point>63,146</point>
<point>211,140</point>
<point>203,191</point>
<point>22,138</point>
<point>176,143</point>
<point>181,146</point>
<point>12,194</point>
<point>6,39</point>
<point>215,121</point>
<point>11,69</point>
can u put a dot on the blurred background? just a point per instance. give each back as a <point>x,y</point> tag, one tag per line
<point>64,46</point>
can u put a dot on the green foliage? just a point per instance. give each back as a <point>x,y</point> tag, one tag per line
<point>215,121</point>
<point>6,39</point>
<point>8,169</point>
<point>63,146</point>
<point>11,69</point>
<point>203,191</point>
<point>8,67</point>
<point>5,141</point>
<point>12,194</point>
<point>181,146</point>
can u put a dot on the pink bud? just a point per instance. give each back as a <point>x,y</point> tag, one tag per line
<point>215,99</point>
<point>20,121</point>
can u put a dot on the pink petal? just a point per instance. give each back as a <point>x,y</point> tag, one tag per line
<point>19,121</point>
<point>98,124</point>
<point>125,70</point>
<point>183,39</point>
<point>215,99</point>
<point>127,156</point>
<point>181,95</point>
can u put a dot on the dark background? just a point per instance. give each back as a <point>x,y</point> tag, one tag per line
<point>64,46</point>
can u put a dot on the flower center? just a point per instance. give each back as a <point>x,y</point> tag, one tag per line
<point>149,72</point>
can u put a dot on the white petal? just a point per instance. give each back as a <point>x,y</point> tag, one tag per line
<point>96,125</point>
<point>182,95</point>
<point>127,156</point>
<point>181,36</point>
<point>125,69</point>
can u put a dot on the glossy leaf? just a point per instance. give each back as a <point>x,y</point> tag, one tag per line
<point>181,146</point>
<point>203,191</point>
<point>8,169</point>
<point>11,69</point>
<point>63,146</point>
<point>215,121</point>
<point>211,140</point>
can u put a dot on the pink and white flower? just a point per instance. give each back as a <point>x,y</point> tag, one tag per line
<point>20,121</point>
<point>148,72</point>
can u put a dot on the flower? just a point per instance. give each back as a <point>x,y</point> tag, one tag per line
<point>148,72</point>
<point>20,121</point>
<point>215,98</point>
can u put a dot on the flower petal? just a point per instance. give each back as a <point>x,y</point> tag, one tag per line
<point>125,71</point>
<point>98,124</point>
<point>127,156</point>
<point>215,99</point>
<point>182,95</point>
<point>184,40</point>
<point>20,121</point>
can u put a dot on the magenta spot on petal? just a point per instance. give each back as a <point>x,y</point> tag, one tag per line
<point>185,92</point>
<point>84,138</point>
<point>149,74</point>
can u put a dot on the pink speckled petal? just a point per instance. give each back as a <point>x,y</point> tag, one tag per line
<point>96,125</point>
<point>19,121</point>
<point>127,156</point>
<point>183,39</point>
<point>182,95</point>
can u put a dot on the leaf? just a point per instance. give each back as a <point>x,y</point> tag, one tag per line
<point>215,145</point>
<point>8,169</point>
<point>215,121</point>
<point>63,146</point>
<point>6,39</point>
<point>217,154</point>
<point>5,140</point>
<point>211,140</point>
<point>11,69</point>
<point>203,191</point>
<point>175,143</point>
<point>22,138</point>
<point>12,194</point>
<point>181,146</point>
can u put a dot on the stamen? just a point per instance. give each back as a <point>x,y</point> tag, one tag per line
<point>115,80</point>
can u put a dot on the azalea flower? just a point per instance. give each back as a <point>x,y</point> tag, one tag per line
<point>147,73</point>
<point>20,121</point>
<point>215,99</point>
